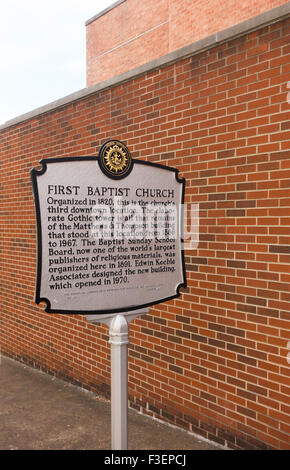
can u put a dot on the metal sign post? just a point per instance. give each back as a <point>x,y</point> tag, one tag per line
<point>110,245</point>
<point>119,340</point>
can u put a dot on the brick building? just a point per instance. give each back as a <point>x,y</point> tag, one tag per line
<point>131,33</point>
<point>214,360</point>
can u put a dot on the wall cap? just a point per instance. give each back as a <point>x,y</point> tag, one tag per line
<point>257,22</point>
<point>103,12</point>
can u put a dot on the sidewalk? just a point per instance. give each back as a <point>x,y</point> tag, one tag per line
<point>41,412</point>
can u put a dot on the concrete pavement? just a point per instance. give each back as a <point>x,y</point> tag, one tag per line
<point>40,412</point>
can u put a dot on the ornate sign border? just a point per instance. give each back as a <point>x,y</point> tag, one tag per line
<point>38,299</point>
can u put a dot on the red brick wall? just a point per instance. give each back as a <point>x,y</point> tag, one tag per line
<point>213,361</point>
<point>137,32</point>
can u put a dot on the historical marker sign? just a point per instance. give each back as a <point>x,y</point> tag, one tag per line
<point>109,232</point>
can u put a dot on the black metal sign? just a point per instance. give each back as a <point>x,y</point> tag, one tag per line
<point>109,232</point>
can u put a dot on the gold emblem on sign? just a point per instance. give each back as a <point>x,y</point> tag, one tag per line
<point>115,159</point>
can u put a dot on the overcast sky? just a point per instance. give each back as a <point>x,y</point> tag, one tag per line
<point>42,51</point>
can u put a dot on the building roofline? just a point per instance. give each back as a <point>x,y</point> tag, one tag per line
<point>257,22</point>
<point>103,12</point>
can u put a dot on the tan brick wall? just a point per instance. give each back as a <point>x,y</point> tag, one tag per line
<point>213,361</point>
<point>137,32</point>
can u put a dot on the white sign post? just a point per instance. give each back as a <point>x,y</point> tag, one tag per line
<point>119,340</point>
<point>109,246</point>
